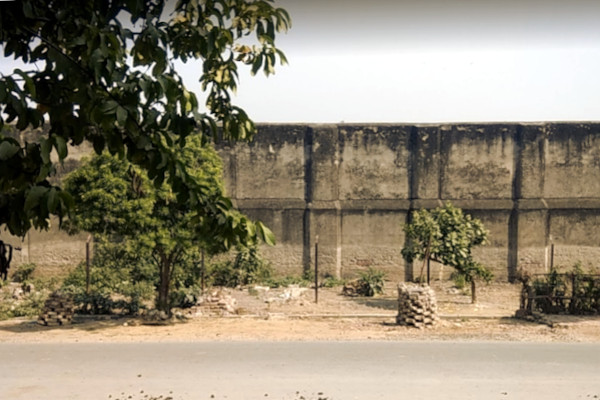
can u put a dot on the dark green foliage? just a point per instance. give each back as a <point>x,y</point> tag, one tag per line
<point>185,296</point>
<point>112,290</point>
<point>23,273</point>
<point>155,230</point>
<point>330,281</point>
<point>104,72</point>
<point>575,292</point>
<point>247,268</point>
<point>552,290</point>
<point>29,306</point>
<point>285,281</point>
<point>586,292</point>
<point>371,282</point>
<point>447,236</point>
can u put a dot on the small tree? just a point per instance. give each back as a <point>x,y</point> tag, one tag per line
<point>114,198</point>
<point>446,235</point>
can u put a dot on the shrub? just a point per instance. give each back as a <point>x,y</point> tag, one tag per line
<point>286,281</point>
<point>111,290</point>
<point>185,297</point>
<point>586,292</point>
<point>371,282</point>
<point>331,281</point>
<point>247,268</point>
<point>460,281</point>
<point>23,272</point>
<point>550,291</point>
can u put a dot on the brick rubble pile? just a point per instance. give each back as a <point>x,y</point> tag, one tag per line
<point>217,303</point>
<point>58,310</point>
<point>417,306</point>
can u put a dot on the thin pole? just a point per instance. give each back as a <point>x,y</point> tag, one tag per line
<point>317,269</point>
<point>202,273</point>
<point>87,264</point>
<point>428,270</point>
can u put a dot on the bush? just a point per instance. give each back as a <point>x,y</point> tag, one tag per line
<point>371,282</point>
<point>550,291</point>
<point>30,305</point>
<point>331,281</point>
<point>23,272</point>
<point>586,292</point>
<point>553,291</point>
<point>185,297</point>
<point>247,268</point>
<point>287,281</point>
<point>111,290</point>
<point>460,281</point>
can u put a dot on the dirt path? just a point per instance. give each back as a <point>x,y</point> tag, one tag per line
<point>269,315</point>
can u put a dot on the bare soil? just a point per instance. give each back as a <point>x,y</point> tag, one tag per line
<point>280,315</point>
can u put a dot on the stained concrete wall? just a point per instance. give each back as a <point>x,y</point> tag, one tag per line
<point>353,186</point>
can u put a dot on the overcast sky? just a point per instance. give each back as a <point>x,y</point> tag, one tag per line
<point>433,61</point>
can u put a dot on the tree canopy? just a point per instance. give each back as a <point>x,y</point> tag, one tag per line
<point>116,201</point>
<point>446,235</point>
<point>104,72</point>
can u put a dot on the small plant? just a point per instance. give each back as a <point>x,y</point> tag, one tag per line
<point>586,292</point>
<point>460,282</point>
<point>331,281</point>
<point>371,282</point>
<point>247,268</point>
<point>550,292</point>
<point>286,281</point>
<point>23,273</point>
<point>185,297</point>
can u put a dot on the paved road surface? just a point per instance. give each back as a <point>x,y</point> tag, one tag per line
<point>292,370</point>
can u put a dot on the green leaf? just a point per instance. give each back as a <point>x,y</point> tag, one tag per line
<point>7,150</point>
<point>45,148</point>
<point>61,147</point>
<point>256,64</point>
<point>53,200</point>
<point>34,196</point>
<point>265,234</point>
<point>121,115</point>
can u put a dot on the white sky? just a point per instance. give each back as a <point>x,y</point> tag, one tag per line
<point>432,61</point>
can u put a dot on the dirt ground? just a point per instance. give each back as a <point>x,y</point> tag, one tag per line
<point>284,314</point>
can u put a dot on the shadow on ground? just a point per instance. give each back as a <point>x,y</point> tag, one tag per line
<point>378,302</point>
<point>82,323</point>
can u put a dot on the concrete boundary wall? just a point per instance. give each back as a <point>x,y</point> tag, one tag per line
<point>355,185</point>
<point>533,185</point>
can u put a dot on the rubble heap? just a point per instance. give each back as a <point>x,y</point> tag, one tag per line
<point>216,303</point>
<point>417,306</point>
<point>58,310</point>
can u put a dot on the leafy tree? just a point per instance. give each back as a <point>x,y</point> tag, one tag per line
<point>115,199</point>
<point>446,235</point>
<point>104,72</point>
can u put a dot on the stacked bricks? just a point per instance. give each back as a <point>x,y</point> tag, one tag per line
<point>58,310</point>
<point>217,303</point>
<point>417,306</point>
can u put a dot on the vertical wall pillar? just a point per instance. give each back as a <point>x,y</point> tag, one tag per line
<point>513,220</point>
<point>308,195</point>
<point>323,209</point>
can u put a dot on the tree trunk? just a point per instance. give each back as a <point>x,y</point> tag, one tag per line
<point>162,303</point>
<point>473,291</point>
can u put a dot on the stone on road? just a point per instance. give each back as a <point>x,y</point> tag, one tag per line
<point>295,370</point>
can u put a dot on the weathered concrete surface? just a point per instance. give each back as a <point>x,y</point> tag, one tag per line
<point>353,186</point>
<point>531,184</point>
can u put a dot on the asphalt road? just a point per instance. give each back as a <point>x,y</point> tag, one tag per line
<point>300,370</point>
